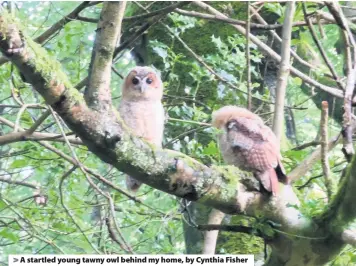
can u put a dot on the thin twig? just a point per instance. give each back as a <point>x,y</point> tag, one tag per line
<point>86,19</point>
<point>127,247</point>
<point>79,164</point>
<point>254,26</point>
<point>186,133</point>
<point>16,182</point>
<point>24,135</point>
<point>306,184</point>
<point>321,49</point>
<point>189,122</point>
<point>340,19</point>
<point>110,226</point>
<point>248,63</point>
<point>164,10</point>
<point>324,148</point>
<point>15,96</point>
<point>38,122</point>
<point>139,32</point>
<point>306,145</point>
<point>29,106</point>
<point>19,114</point>
<point>232,228</point>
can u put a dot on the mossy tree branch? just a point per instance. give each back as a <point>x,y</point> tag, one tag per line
<point>342,212</point>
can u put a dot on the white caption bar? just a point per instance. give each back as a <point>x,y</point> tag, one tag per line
<point>130,260</point>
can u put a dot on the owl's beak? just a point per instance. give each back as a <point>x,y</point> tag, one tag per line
<point>143,88</point>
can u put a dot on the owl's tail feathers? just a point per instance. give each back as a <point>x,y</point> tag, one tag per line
<point>274,181</point>
<point>132,184</point>
<point>281,173</point>
<point>269,181</point>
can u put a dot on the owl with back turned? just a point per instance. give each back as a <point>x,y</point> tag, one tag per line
<point>142,110</point>
<point>246,142</point>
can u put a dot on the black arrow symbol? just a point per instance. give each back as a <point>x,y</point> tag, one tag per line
<point>16,260</point>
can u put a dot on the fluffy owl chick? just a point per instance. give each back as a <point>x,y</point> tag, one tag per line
<point>246,142</point>
<point>141,108</point>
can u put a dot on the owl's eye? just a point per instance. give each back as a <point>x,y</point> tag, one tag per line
<point>135,81</point>
<point>149,81</point>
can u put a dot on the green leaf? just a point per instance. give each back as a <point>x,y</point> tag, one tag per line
<point>7,234</point>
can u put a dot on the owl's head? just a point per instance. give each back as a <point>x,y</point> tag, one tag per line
<point>224,115</point>
<point>142,83</point>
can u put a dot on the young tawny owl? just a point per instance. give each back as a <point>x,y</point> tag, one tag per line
<point>246,142</point>
<point>141,108</point>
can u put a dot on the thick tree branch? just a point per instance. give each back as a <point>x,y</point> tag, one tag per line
<point>26,135</point>
<point>348,148</point>
<point>164,10</point>
<point>97,93</point>
<point>278,118</point>
<point>62,22</point>
<point>306,145</point>
<point>349,237</point>
<point>234,228</point>
<point>341,212</point>
<point>211,236</point>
